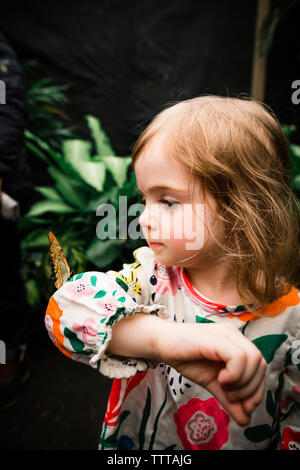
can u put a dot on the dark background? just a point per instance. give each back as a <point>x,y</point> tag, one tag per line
<point>124,61</point>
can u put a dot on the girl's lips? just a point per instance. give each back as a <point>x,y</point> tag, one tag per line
<point>155,245</point>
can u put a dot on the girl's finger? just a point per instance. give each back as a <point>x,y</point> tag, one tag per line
<point>251,364</point>
<point>251,403</point>
<point>236,410</point>
<point>249,389</point>
<point>235,358</point>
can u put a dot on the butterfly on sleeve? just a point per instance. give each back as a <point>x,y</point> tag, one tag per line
<point>60,269</point>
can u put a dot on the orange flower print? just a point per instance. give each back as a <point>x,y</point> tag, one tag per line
<point>289,300</point>
<point>202,425</point>
<point>52,323</point>
<point>275,308</point>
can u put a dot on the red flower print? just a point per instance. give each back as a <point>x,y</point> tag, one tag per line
<point>119,391</point>
<point>296,389</point>
<point>290,440</point>
<point>202,425</point>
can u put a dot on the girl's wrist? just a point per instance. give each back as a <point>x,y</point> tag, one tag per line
<point>168,341</point>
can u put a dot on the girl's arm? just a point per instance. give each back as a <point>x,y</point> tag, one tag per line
<point>215,356</point>
<point>92,320</point>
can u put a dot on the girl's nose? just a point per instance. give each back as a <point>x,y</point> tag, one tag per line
<point>149,218</point>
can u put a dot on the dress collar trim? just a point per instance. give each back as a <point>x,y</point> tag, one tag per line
<point>207,304</point>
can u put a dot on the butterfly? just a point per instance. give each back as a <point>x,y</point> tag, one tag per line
<point>60,270</point>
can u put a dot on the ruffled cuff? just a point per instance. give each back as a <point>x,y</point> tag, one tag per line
<point>79,320</point>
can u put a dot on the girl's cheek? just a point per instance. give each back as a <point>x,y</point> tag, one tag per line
<point>187,224</point>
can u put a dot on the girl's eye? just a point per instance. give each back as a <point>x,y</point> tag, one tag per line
<point>163,201</point>
<point>168,203</point>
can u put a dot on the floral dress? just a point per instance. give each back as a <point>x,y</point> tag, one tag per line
<point>153,407</point>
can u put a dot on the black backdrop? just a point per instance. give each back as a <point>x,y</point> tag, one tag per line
<point>125,60</point>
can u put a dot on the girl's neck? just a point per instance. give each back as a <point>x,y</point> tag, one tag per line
<point>216,282</point>
<point>217,293</point>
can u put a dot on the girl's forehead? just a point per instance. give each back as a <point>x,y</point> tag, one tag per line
<point>156,168</point>
<point>158,154</point>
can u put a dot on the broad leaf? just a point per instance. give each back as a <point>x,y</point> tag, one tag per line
<point>258,433</point>
<point>37,238</point>
<point>269,344</point>
<point>75,150</point>
<point>92,173</point>
<point>48,192</point>
<point>102,142</point>
<point>41,207</point>
<point>70,190</point>
<point>104,252</point>
<point>118,168</point>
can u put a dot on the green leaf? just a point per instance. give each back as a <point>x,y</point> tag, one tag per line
<point>145,418</point>
<point>295,150</point>
<point>75,150</point>
<point>100,294</point>
<point>69,189</point>
<point>103,252</point>
<point>48,192</point>
<point>122,284</point>
<point>102,142</point>
<point>107,196</point>
<point>203,320</point>
<point>288,358</point>
<point>258,433</point>
<point>111,441</point>
<point>269,344</point>
<point>117,166</point>
<point>244,327</point>
<point>37,239</point>
<point>32,293</point>
<point>93,280</point>
<point>76,343</point>
<point>43,145</point>
<point>270,404</point>
<point>288,129</point>
<point>279,388</point>
<point>296,183</point>
<point>156,423</point>
<point>57,207</point>
<point>92,173</point>
<point>37,152</point>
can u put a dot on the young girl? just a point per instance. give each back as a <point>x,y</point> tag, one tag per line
<point>213,317</point>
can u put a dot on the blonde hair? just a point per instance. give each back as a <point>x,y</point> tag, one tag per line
<point>237,152</point>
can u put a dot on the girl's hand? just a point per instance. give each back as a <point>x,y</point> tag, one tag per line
<point>219,358</point>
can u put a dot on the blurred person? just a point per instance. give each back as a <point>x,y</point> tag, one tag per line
<point>15,200</point>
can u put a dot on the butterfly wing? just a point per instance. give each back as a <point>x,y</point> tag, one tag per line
<point>60,269</point>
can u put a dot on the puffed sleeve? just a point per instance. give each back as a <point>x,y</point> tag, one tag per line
<point>80,316</point>
<point>289,404</point>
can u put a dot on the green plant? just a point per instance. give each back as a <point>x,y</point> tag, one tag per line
<point>294,150</point>
<point>82,180</point>
<point>45,100</point>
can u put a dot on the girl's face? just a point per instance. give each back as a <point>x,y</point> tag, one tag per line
<point>179,225</point>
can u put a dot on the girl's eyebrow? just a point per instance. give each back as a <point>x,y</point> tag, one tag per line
<point>165,188</point>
